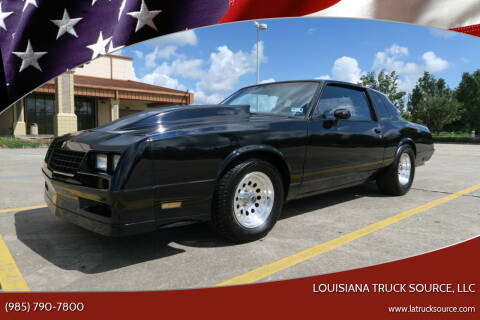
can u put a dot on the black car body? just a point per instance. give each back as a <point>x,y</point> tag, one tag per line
<point>169,160</point>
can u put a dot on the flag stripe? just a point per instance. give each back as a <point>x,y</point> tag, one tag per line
<point>472,30</point>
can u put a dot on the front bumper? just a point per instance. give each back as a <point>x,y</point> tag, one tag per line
<point>423,156</point>
<point>101,211</point>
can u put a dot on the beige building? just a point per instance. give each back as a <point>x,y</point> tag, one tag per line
<point>87,97</point>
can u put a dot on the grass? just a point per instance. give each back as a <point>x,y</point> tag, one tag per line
<point>456,137</point>
<point>456,134</point>
<point>15,143</point>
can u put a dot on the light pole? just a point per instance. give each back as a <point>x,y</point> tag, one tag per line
<point>259,26</point>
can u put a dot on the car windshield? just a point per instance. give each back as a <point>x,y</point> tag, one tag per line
<point>289,98</point>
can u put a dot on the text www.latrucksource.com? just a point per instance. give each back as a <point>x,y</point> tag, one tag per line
<point>430,309</point>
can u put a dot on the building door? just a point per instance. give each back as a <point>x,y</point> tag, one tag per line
<point>40,109</point>
<point>86,113</point>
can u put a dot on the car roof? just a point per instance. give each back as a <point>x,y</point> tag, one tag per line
<point>325,81</point>
<point>350,84</point>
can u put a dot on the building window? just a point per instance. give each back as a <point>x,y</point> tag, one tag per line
<point>85,110</point>
<point>40,109</point>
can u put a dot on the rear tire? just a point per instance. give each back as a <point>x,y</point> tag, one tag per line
<point>397,178</point>
<point>248,200</point>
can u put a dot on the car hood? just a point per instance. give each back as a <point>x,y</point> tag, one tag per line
<point>172,117</point>
<point>118,135</point>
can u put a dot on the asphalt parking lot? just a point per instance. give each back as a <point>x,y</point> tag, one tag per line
<point>40,252</point>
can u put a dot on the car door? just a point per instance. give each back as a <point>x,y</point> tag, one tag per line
<point>342,152</point>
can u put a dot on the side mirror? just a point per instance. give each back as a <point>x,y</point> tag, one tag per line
<point>342,114</point>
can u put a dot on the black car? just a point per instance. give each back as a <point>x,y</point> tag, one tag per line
<point>233,164</point>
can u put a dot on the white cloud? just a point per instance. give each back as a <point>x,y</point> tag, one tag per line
<point>201,98</point>
<point>433,63</point>
<point>346,69</point>
<point>160,78</point>
<point>390,58</point>
<point>216,77</point>
<point>226,68</point>
<point>394,59</point>
<point>324,77</point>
<point>163,53</point>
<point>166,47</point>
<point>443,34</point>
<point>166,52</point>
<point>150,58</point>
<point>178,39</point>
<point>464,60</point>
<point>396,50</point>
<point>269,80</point>
<point>188,68</point>
<point>138,54</point>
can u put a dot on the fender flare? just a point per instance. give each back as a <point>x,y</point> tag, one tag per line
<point>237,153</point>
<point>404,141</point>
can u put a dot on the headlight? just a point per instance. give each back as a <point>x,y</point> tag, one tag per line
<point>116,158</point>
<point>101,162</point>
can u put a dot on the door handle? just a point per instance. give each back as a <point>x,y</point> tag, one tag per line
<point>377,130</point>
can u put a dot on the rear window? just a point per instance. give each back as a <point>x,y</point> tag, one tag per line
<point>380,107</point>
<point>391,108</point>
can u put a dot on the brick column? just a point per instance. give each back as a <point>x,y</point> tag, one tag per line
<point>114,109</point>
<point>65,120</point>
<point>19,126</point>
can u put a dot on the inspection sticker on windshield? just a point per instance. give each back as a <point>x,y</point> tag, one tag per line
<point>296,110</point>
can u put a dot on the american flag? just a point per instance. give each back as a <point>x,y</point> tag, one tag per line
<point>41,39</point>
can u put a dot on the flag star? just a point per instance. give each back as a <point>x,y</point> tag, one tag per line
<point>66,25</point>
<point>98,48</point>
<point>111,48</point>
<point>32,2</point>
<point>145,17</point>
<point>29,57</point>
<point>3,16</point>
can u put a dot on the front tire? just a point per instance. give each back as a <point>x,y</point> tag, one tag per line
<point>248,201</point>
<point>397,178</point>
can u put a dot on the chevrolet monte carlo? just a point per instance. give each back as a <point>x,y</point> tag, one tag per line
<point>233,164</point>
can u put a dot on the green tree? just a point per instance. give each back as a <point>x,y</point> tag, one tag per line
<point>433,103</point>
<point>468,94</point>
<point>386,83</point>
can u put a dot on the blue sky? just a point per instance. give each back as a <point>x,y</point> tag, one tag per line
<point>215,61</point>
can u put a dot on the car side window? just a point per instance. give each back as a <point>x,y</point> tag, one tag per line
<point>391,108</point>
<point>380,107</point>
<point>337,97</point>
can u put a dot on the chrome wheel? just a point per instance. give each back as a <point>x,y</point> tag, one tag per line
<point>404,169</point>
<point>253,199</point>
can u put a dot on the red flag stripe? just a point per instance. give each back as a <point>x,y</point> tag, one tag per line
<point>472,30</point>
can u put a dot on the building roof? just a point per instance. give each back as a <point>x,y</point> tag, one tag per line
<point>122,89</point>
<point>121,84</point>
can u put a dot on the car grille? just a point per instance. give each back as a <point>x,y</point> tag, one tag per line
<point>62,160</point>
